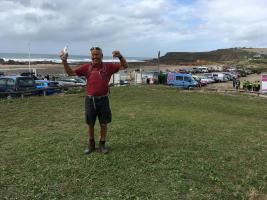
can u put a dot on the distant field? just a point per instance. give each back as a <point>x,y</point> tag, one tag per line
<point>262,50</point>
<point>165,144</point>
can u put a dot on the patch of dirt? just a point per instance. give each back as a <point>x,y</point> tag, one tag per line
<point>255,195</point>
<point>131,115</point>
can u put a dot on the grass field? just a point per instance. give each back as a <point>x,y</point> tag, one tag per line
<point>165,144</point>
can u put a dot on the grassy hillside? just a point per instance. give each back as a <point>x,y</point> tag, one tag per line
<point>165,144</point>
<point>257,50</point>
<point>220,55</point>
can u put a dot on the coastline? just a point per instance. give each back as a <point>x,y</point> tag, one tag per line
<point>57,68</point>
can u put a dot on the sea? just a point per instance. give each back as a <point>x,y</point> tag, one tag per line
<point>24,57</point>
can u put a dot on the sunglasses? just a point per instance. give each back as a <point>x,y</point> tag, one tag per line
<point>96,48</point>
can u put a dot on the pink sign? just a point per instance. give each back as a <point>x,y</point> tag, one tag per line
<point>264,82</point>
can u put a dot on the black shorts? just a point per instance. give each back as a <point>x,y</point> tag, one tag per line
<point>99,107</point>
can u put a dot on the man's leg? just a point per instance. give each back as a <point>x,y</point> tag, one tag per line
<point>104,118</point>
<point>91,138</point>
<point>91,131</point>
<point>103,134</point>
<point>90,117</point>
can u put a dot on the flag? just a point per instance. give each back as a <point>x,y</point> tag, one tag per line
<point>158,54</point>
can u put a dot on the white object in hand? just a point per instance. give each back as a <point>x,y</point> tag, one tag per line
<point>65,50</point>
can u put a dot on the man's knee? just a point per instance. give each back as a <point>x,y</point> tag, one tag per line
<point>103,125</point>
<point>91,126</point>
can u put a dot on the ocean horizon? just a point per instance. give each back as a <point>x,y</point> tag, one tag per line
<point>24,57</point>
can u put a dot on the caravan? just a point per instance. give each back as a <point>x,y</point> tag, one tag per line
<point>185,81</point>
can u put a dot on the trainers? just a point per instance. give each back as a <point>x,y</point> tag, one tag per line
<point>102,148</point>
<point>91,147</point>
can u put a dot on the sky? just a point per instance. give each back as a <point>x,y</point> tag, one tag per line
<point>138,28</point>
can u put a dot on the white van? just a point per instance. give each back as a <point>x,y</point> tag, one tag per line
<point>203,69</point>
<point>221,77</point>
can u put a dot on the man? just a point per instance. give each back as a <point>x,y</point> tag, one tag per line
<point>237,83</point>
<point>234,82</point>
<point>98,75</point>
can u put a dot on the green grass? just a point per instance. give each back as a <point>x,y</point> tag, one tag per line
<point>165,144</point>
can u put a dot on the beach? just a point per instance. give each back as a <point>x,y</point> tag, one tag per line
<point>57,68</point>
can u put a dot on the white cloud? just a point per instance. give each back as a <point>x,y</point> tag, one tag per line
<point>138,27</point>
<point>237,22</point>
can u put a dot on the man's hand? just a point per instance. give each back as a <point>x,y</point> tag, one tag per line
<point>116,54</point>
<point>64,56</point>
<point>123,63</point>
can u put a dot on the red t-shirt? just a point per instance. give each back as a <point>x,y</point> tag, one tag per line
<point>98,77</point>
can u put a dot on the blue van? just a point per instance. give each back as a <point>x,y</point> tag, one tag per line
<point>16,84</point>
<point>50,86</point>
<point>185,81</point>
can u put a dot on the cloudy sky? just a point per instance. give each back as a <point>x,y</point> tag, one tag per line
<point>136,27</point>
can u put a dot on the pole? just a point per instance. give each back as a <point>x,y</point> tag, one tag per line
<point>158,60</point>
<point>29,44</point>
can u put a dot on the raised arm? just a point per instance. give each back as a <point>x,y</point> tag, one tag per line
<point>123,61</point>
<point>67,68</point>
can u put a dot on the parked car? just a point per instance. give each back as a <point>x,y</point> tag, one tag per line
<point>188,70</point>
<point>206,79</point>
<point>210,76</point>
<point>229,76</point>
<point>17,84</point>
<point>221,77</point>
<point>50,86</point>
<point>30,74</point>
<point>71,81</point>
<point>199,80</point>
<point>203,69</point>
<point>185,81</point>
<point>242,72</point>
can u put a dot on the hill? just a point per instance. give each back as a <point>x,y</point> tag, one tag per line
<point>220,55</point>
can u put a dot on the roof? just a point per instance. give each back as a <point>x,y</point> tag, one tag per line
<point>12,77</point>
